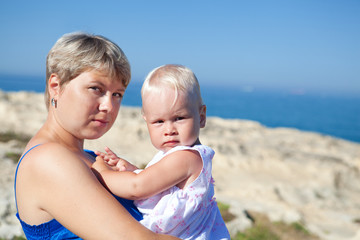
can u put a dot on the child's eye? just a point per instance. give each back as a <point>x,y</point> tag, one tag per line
<point>179,118</point>
<point>158,121</point>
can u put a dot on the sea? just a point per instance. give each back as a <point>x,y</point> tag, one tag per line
<point>334,115</point>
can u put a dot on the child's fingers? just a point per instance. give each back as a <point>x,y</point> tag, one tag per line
<point>112,161</point>
<point>110,153</point>
<point>121,168</point>
<point>100,165</point>
<point>97,152</point>
<point>101,154</point>
<point>105,156</point>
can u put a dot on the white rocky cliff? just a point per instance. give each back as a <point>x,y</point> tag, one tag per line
<point>286,174</point>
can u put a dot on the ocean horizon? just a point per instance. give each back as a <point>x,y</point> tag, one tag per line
<point>334,115</point>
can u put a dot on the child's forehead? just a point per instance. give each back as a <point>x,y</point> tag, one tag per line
<point>169,110</point>
<point>168,95</point>
<point>160,87</point>
<point>167,91</point>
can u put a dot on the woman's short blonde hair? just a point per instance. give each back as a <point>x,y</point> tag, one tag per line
<point>78,52</point>
<point>178,77</point>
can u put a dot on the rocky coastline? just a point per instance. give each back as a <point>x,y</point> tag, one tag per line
<point>286,174</point>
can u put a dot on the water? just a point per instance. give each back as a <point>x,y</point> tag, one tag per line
<point>22,83</point>
<point>330,115</point>
<point>338,116</point>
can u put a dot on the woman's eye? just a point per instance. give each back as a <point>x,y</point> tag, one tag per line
<point>97,89</point>
<point>118,95</point>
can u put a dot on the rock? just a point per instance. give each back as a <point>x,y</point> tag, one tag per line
<point>286,174</point>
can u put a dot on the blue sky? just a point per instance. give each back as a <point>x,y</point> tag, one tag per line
<point>296,46</point>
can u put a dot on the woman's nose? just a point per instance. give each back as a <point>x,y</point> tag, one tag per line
<point>106,103</point>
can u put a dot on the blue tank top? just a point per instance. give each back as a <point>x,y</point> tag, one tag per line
<point>53,229</point>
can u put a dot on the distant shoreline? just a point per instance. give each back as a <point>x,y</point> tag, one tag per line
<point>335,117</point>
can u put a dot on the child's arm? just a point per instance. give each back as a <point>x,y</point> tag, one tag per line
<point>113,160</point>
<point>179,168</point>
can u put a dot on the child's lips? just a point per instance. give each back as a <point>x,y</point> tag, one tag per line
<point>171,143</point>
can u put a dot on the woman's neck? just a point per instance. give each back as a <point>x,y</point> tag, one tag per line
<point>52,132</point>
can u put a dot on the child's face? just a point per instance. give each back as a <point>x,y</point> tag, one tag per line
<point>172,125</point>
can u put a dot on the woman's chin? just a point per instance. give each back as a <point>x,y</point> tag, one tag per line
<point>94,135</point>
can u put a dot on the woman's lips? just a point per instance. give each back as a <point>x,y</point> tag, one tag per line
<point>101,122</point>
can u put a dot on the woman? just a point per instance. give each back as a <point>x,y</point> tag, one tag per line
<point>57,194</point>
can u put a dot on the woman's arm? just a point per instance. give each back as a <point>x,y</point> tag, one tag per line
<point>65,187</point>
<point>177,168</point>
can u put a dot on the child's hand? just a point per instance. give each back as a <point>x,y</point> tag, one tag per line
<point>109,157</point>
<point>113,160</point>
<point>100,165</point>
<point>123,165</point>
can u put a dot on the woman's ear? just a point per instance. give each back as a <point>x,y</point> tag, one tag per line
<point>202,116</point>
<point>54,86</point>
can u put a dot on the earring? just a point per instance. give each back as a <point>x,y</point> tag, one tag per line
<point>53,102</point>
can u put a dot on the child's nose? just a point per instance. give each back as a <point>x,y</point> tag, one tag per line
<point>170,129</point>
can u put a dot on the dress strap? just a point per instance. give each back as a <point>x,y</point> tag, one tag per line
<point>17,167</point>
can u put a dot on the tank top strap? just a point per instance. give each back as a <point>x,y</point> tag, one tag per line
<point>17,167</point>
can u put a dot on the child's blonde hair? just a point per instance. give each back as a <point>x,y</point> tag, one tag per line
<point>178,77</point>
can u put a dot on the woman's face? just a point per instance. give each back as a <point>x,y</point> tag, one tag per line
<point>87,106</point>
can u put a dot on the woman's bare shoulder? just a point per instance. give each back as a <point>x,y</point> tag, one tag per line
<point>52,161</point>
<point>46,154</point>
<point>47,173</point>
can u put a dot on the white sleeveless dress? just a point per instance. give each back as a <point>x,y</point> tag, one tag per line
<point>190,213</point>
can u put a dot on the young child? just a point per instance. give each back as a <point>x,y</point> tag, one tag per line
<point>175,191</point>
